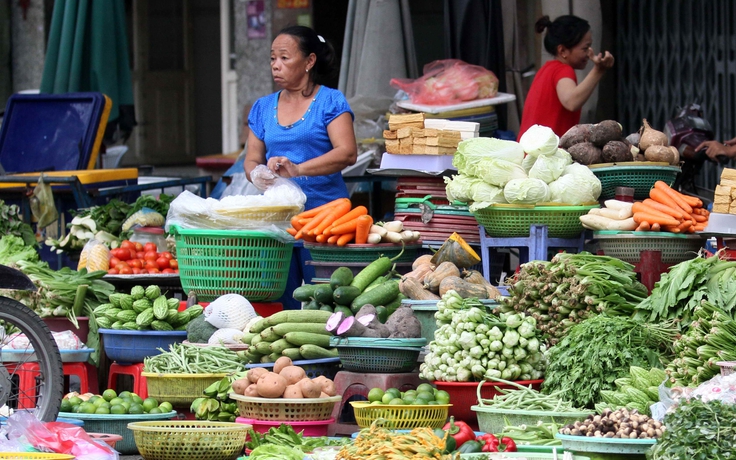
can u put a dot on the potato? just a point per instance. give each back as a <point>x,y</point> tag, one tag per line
<point>328,387</point>
<point>309,388</point>
<point>256,373</point>
<point>293,392</point>
<point>292,374</point>
<point>281,363</point>
<point>585,153</point>
<point>271,385</point>
<point>240,385</point>
<point>252,391</point>
<point>604,132</point>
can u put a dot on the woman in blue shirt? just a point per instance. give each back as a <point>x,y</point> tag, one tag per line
<point>303,132</point>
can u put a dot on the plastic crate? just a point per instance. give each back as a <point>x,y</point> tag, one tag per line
<point>511,221</point>
<point>203,440</point>
<point>371,355</point>
<point>179,389</point>
<point>492,420</point>
<point>129,347</point>
<point>286,410</point>
<point>464,395</point>
<point>628,246</point>
<point>400,416</point>
<point>117,424</point>
<point>639,177</point>
<point>361,252</point>
<point>605,445</point>
<point>246,262</point>
<point>328,367</point>
<point>310,428</point>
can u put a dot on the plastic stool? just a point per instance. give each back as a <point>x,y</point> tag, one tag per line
<point>532,247</point>
<point>354,386</point>
<point>140,386</point>
<point>650,268</point>
<point>28,372</point>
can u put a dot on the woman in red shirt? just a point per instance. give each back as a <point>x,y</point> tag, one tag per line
<point>555,97</point>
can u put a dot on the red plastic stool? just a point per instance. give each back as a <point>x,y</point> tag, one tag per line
<point>354,386</point>
<point>140,386</point>
<point>28,372</point>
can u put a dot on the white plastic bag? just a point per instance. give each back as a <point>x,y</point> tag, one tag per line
<point>231,311</point>
<point>240,185</point>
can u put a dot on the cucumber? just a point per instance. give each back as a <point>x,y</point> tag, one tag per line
<point>281,345</point>
<point>343,276</point>
<point>304,338</point>
<point>344,295</point>
<point>311,305</point>
<point>382,313</point>
<point>263,347</point>
<point>372,271</point>
<point>323,293</point>
<point>345,310</point>
<point>314,328</point>
<point>381,295</point>
<point>310,351</point>
<point>326,307</point>
<point>269,335</point>
<point>297,316</point>
<point>377,282</point>
<point>304,293</point>
<point>292,353</point>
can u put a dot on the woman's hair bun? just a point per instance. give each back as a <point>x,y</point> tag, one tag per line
<point>542,23</point>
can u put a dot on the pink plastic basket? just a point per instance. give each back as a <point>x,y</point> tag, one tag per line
<point>727,367</point>
<point>312,428</point>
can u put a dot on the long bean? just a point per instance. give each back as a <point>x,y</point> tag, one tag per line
<point>526,398</point>
<point>191,359</point>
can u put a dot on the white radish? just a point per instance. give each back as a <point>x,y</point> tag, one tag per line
<point>595,222</point>
<point>373,238</point>
<point>392,237</point>
<point>394,226</point>
<point>620,214</point>
<point>618,204</point>
<point>407,236</point>
<point>378,230</point>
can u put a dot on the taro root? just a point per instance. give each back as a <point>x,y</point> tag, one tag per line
<point>604,132</point>
<point>616,152</point>
<point>585,153</point>
<point>575,135</point>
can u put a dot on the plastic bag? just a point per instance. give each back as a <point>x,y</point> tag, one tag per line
<point>95,256</point>
<point>146,217</point>
<point>42,204</point>
<point>231,311</point>
<point>240,185</point>
<point>449,81</point>
<point>58,437</point>
<point>226,336</point>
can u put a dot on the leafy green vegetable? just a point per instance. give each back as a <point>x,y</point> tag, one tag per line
<point>601,349</point>
<point>286,436</point>
<point>276,452</point>
<point>13,249</point>
<point>11,223</point>
<point>697,430</point>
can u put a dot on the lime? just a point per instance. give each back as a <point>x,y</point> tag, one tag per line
<point>376,394</point>
<point>442,397</point>
<point>109,394</point>
<point>135,408</point>
<point>137,399</point>
<point>425,395</point>
<point>99,401</point>
<point>116,401</point>
<point>125,394</point>
<point>87,408</point>
<point>409,398</point>
<point>102,410</point>
<point>425,387</point>
<point>420,402</point>
<point>126,404</point>
<point>394,391</point>
<point>410,392</point>
<point>149,403</point>
<point>66,405</point>
<point>377,402</point>
<point>76,409</point>
<point>94,398</point>
<point>387,397</point>
<point>396,402</point>
<point>165,407</point>
<point>433,403</point>
<point>118,409</point>
<point>75,400</point>
<point>155,410</point>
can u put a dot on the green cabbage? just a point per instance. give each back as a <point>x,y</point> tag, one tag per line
<point>498,172</point>
<point>478,149</point>
<point>528,162</point>
<point>526,191</point>
<point>577,185</point>
<point>550,167</point>
<point>459,187</point>
<point>485,192</point>
<point>539,140</point>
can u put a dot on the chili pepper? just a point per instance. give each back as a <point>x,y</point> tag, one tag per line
<point>507,445</point>
<point>490,442</point>
<point>460,431</point>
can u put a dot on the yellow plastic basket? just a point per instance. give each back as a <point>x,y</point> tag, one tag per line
<point>34,455</point>
<point>179,389</point>
<point>285,410</point>
<point>262,213</point>
<point>400,417</point>
<point>195,439</point>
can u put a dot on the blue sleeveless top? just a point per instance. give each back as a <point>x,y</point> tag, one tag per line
<point>307,138</point>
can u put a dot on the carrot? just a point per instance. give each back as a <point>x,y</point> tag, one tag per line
<point>337,211</point>
<point>314,211</point>
<point>656,227</point>
<point>677,213</point>
<point>321,238</point>
<point>643,227</point>
<point>308,238</point>
<point>685,225</point>
<point>333,239</point>
<point>362,229</point>
<point>674,194</point>
<point>345,239</point>
<point>661,197</point>
<point>313,223</point>
<point>699,227</point>
<point>667,228</point>
<point>700,218</point>
<point>653,219</point>
<point>296,224</point>
<point>346,227</point>
<point>355,212</point>
<point>693,201</point>
<point>641,207</point>
<point>291,231</point>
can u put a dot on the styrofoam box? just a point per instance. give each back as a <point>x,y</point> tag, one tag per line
<point>417,162</point>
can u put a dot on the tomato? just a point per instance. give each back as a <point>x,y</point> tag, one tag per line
<point>122,264</point>
<point>173,263</point>
<point>167,255</point>
<point>136,271</point>
<point>150,247</point>
<point>127,244</point>
<point>120,254</point>
<point>167,270</point>
<point>176,270</point>
<point>139,255</point>
<point>135,263</point>
<point>113,261</point>
<point>138,247</point>
<point>151,264</point>
<point>162,263</point>
<point>125,271</point>
<point>112,271</point>
<point>132,253</point>
<point>153,271</point>
<point>150,255</point>
<point>143,271</point>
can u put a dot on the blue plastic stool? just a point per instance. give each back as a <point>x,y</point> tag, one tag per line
<point>532,247</point>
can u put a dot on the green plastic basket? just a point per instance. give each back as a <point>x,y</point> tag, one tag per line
<point>425,310</point>
<point>641,178</point>
<point>360,252</point>
<point>116,424</point>
<point>510,221</point>
<point>610,446</point>
<point>493,420</point>
<point>371,355</point>
<point>246,262</point>
<point>526,455</point>
<point>627,246</point>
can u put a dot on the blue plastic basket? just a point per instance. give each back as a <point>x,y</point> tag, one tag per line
<point>128,347</point>
<point>328,367</point>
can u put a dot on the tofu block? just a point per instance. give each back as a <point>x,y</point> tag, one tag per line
<point>392,145</point>
<point>721,208</point>
<point>729,174</point>
<point>722,199</point>
<point>405,146</point>
<point>388,134</point>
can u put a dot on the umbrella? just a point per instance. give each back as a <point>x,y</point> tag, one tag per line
<point>88,51</point>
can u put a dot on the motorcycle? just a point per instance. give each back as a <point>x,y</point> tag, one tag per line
<point>31,370</point>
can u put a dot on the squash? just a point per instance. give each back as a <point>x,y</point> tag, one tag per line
<point>420,272</point>
<point>457,251</point>
<point>432,280</point>
<point>414,289</point>
<point>475,277</point>
<point>463,288</point>
<point>421,260</point>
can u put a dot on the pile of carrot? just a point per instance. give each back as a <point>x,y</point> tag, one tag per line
<point>336,222</point>
<point>667,210</point>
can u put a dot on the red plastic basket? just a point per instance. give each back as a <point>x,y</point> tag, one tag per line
<point>311,428</point>
<point>463,395</point>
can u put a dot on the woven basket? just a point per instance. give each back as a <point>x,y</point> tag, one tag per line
<point>328,367</point>
<point>262,213</point>
<point>372,355</point>
<point>511,221</point>
<point>639,177</point>
<point>285,410</point>
<point>493,420</point>
<point>400,416</point>
<point>179,389</point>
<point>34,456</point>
<point>361,252</point>
<point>190,439</point>
<point>627,246</point>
